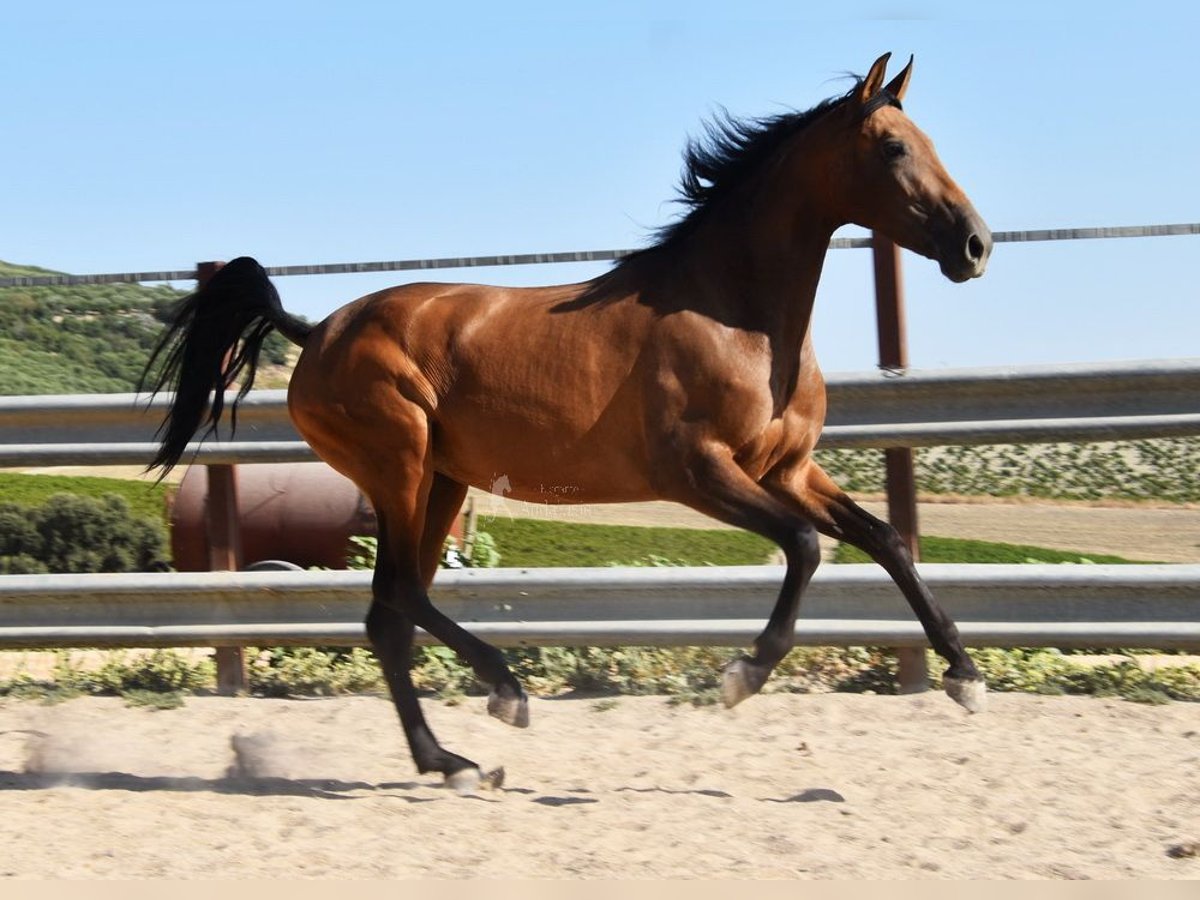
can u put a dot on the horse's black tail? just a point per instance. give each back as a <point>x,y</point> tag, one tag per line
<point>214,337</point>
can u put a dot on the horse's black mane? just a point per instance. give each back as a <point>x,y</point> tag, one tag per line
<point>715,166</point>
<point>732,149</point>
<point>729,151</point>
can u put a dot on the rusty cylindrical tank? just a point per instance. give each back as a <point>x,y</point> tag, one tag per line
<point>302,513</point>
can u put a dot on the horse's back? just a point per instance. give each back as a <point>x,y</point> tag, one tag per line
<point>510,381</point>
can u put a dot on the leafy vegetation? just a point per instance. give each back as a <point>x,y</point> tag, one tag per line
<point>284,671</point>
<point>1162,469</point>
<point>70,533</point>
<point>83,339</point>
<point>1050,671</point>
<point>146,499</point>
<point>10,270</point>
<point>158,680</point>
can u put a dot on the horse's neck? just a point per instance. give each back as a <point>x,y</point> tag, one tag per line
<point>763,280</point>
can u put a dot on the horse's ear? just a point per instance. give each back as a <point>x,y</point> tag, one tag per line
<point>874,81</point>
<point>899,84</point>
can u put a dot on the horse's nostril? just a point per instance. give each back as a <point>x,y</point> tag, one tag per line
<point>975,248</point>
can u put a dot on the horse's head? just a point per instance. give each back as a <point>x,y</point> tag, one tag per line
<point>897,185</point>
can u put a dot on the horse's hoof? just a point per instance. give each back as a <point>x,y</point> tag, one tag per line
<point>739,680</point>
<point>969,693</point>
<point>465,781</point>
<point>470,780</point>
<point>511,710</point>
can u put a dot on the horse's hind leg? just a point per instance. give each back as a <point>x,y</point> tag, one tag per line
<point>441,509</point>
<point>836,515</point>
<point>391,635</point>
<point>417,522</point>
<point>507,701</point>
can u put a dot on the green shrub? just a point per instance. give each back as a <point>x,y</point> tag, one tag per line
<point>69,533</point>
<point>485,554</point>
<point>84,535</point>
<point>438,669</point>
<point>362,553</point>
<point>161,671</point>
<point>24,687</point>
<point>159,679</point>
<point>146,499</point>
<point>282,671</point>
<point>153,699</point>
<point>1050,671</point>
<point>690,674</point>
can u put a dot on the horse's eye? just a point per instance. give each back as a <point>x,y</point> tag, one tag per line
<point>893,150</point>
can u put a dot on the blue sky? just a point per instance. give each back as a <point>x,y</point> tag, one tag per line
<point>140,138</point>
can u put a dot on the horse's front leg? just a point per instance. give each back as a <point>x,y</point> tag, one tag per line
<point>718,487</point>
<point>835,514</point>
<point>391,636</point>
<point>746,676</point>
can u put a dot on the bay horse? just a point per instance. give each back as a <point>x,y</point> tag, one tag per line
<point>684,373</point>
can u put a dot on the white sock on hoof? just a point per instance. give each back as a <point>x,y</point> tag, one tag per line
<point>735,685</point>
<point>464,781</point>
<point>969,693</point>
<point>511,711</point>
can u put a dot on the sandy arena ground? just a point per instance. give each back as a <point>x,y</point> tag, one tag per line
<point>785,786</point>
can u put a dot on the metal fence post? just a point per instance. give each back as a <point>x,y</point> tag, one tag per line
<point>898,461</point>
<point>224,539</point>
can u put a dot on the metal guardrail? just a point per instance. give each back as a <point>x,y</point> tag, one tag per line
<point>1028,605</point>
<point>1132,606</point>
<point>1063,606</point>
<point>569,256</point>
<point>1074,402</point>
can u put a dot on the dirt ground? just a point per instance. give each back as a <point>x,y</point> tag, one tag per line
<point>785,786</point>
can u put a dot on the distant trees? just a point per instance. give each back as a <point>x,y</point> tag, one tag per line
<point>82,339</point>
<point>70,533</point>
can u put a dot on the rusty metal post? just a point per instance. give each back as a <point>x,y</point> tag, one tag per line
<point>224,539</point>
<point>898,461</point>
<point>224,552</point>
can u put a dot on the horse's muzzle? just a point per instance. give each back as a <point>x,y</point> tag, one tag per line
<point>964,250</point>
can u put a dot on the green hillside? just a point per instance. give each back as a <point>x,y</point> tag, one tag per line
<point>8,270</point>
<point>83,339</point>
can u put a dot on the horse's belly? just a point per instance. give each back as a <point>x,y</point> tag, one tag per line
<point>544,465</point>
<point>549,485</point>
